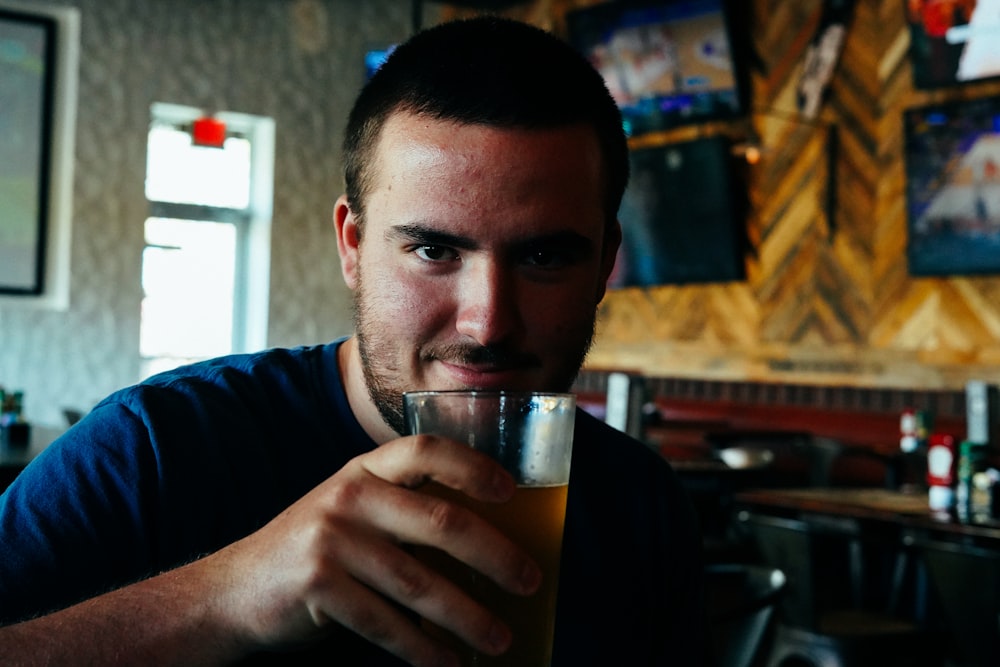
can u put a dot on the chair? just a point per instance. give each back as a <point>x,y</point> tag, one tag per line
<point>740,600</point>
<point>835,463</point>
<point>820,624</point>
<point>966,581</point>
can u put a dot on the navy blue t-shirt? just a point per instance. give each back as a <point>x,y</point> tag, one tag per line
<point>191,460</point>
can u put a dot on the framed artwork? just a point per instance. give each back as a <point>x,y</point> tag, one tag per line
<point>26,88</point>
<point>953,42</point>
<point>953,188</point>
<point>39,61</point>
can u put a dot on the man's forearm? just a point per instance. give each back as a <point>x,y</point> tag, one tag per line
<point>170,619</point>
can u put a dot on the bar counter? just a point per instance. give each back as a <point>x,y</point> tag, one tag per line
<point>901,509</point>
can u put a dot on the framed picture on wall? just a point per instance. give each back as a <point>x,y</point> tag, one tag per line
<point>953,42</point>
<point>953,188</point>
<point>27,81</point>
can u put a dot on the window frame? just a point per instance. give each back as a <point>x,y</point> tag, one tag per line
<point>252,224</point>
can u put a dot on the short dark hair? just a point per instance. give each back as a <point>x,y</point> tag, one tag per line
<point>487,71</point>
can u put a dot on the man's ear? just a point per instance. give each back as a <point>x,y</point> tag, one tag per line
<point>609,253</point>
<point>348,240</point>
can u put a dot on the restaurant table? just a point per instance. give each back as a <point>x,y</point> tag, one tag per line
<point>908,510</point>
<point>904,522</point>
<point>895,521</point>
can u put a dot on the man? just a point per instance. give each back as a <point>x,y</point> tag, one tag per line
<point>262,507</point>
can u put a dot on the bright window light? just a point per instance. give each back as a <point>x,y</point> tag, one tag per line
<point>180,172</point>
<point>188,271</point>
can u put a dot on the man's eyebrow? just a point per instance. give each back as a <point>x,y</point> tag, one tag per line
<point>424,235</point>
<point>564,240</point>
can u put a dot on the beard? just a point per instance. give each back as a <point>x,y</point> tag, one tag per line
<point>386,382</point>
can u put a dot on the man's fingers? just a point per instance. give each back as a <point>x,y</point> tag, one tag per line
<point>340,551</point>
<point>359,609</point>
<point>420,518</point>
<point>413,460</point>
<point>405,579</point>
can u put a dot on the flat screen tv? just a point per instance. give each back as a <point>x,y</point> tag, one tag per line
<point>682,216</point>
<point>953,42</point>
<point>666,63</point>
<point>953,188</point>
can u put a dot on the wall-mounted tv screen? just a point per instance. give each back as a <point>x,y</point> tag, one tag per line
<point>953,188</point>
<point>665,63</point>
<point>953,42</point>
<point>682,216</point>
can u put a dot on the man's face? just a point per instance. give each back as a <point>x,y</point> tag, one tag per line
<point>481,259</point>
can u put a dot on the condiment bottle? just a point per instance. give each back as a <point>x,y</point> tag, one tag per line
<point>940,476</point>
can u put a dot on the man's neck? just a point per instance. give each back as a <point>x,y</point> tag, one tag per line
<point>362,406</point>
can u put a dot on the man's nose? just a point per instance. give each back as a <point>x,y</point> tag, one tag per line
<point>488,308</point>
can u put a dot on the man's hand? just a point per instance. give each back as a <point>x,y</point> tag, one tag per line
<point>339,554</point>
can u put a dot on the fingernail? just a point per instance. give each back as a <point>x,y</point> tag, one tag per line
<point>503,486</point>
<point>448,659</point>
<point>531,577</point>
<point>499,637</point>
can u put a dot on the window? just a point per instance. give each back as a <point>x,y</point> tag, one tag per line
<point>205,267</point>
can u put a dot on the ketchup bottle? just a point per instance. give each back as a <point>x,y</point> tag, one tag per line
<point>940,471</point>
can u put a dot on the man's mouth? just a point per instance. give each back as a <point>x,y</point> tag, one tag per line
<point>485,367</point>
<point>485,357</point>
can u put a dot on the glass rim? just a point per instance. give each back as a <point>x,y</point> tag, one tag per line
<point>488,393</point>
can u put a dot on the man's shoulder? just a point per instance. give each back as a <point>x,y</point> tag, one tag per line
<point>273,371</point>
<point>271,363</point>
<point>597,442</point>
<point>608,463</point>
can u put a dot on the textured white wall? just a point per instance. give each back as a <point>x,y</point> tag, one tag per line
<point>297,61</point>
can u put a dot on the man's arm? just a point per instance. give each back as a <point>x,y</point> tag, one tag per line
<point>338,555</point>
<point>170,619</point>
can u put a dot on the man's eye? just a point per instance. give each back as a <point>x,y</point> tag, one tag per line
<point>435,253</point>
<point>547,258</point>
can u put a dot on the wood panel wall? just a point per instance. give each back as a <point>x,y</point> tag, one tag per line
<point>827,299</point>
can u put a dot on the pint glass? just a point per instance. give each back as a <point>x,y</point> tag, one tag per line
<point>531,435</point>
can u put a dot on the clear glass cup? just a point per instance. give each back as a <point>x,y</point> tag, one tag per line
<point>531,435</point>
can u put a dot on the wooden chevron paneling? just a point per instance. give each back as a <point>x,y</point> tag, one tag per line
<point>827,286</point>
